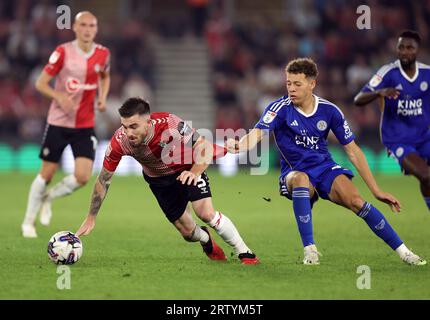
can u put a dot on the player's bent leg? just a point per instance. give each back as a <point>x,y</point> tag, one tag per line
<point>70,183</point>
<point>192,232</point>
<point>302,191</point>
<point>417,166</point>
<point>225,228</point>
<point>344,192</point>
<point>37,190</point>
<point>83,170</point>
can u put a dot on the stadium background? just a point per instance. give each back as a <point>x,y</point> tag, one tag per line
<point>215,63</point>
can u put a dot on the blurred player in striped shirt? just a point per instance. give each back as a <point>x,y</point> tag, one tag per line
<point>80,68</point>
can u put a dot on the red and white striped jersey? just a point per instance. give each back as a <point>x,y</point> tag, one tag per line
<point>77,74</point>
<point>166,150</point>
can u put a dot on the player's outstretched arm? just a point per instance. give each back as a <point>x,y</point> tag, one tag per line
<point>358,159</point>
<point>100,190</point>
<point>363,98</point>
<point>247,142</point>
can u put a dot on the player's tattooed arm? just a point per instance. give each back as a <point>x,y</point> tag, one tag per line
<point>100,190</point>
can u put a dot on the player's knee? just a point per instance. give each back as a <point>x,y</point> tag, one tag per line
<point>300,179</point>
<point>355,202</point>
<point>47,176</point>
<point>82,179</point>
<point>207,216</point>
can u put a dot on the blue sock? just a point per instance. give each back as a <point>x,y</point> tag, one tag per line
<point>303,213</point>
<point>379,225</point>
<point>427,200</point>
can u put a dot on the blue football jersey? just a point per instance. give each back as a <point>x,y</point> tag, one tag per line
<point>405,119</point>
<point>300,138</point>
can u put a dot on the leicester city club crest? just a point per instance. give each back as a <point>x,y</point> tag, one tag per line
<point>321,125</point>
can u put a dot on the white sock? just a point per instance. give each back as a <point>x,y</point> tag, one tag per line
<point>199,235</point>
<point>64,187</point>
<point>226,230</point>
<point>402,250</point>
<point>37,190</point>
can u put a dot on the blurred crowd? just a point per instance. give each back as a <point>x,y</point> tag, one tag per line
<point>248,56</point>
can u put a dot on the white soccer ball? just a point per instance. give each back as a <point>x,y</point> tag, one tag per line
<point>64,247</point>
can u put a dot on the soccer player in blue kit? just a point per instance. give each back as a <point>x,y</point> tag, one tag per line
<point>402,88</point>
<point>300,123</point>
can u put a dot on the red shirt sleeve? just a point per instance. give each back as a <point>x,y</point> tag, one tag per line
<point>106,67</point>
<point>56,61</point>
<point>179,129</point>
<point>113,155</point>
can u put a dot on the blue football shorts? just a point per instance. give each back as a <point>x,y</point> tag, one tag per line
<point>321,177</point>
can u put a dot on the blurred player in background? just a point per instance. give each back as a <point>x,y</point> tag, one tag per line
<point>402,88</point>
<point>174,159</point>
<point>78,66</point>
<point>301,122</point>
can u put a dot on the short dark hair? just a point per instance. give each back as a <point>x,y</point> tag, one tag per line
<point>411,34</point>
<point>303,65</point>
<point>134,106</point>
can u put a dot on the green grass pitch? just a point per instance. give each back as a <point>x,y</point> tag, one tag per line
<point>134,253</point>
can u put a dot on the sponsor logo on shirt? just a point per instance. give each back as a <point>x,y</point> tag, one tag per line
<point>348,132</point>
<point>411,107</point>
<point>73,85</point>
<point>309,142</point>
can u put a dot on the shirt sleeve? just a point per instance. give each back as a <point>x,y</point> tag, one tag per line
<point>270,117</point>
<point>113,155</point>
<point>378,81</point>
<point>340,128</point>
<point>179,130</point>
<point>56,61</point>
<point>106,67</point>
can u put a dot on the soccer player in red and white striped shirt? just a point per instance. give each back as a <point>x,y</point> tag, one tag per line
<point>80,68</point>
<point>174,159</point>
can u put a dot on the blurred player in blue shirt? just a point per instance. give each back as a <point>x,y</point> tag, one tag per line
<point>402,88</point>
<point>300,123</point>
